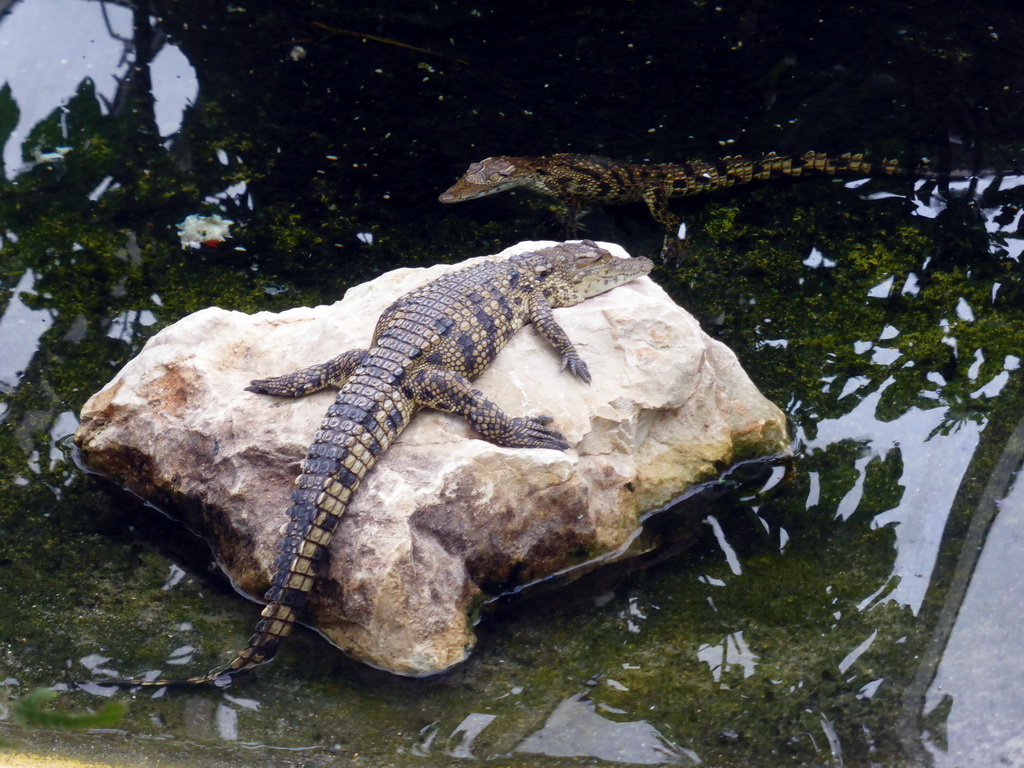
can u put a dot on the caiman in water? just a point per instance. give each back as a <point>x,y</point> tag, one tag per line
<point>574,179</point>
<point>426,349</point>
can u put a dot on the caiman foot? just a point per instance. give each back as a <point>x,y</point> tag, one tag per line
<point>333,373</point>
<point>576,366</point>
<point>451,392</point>
<point>674,249</point>
<point>533,432</point>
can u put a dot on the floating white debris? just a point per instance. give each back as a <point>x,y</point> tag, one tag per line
<point>197,230</point>
<point>365,237</point>
<point>50,157</point>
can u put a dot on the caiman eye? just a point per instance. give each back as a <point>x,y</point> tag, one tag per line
<point>494,177</point>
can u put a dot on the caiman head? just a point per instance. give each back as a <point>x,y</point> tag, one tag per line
<point>570,272</point>
<point>495,174</point>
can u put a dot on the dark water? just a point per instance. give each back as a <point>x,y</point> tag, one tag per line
<point>857,606</point>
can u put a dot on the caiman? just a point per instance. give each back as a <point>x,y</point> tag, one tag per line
<point>573,179</point>
<point>426,349</point>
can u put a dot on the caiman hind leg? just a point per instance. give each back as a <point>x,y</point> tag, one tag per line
<point>452,392</point>
<point>333,373</point>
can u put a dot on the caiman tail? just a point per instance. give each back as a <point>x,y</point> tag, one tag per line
<point>368,414</point>
<point>698,176</point>
<point>362,423</point>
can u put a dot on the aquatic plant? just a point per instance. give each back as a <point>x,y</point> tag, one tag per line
<point>30,712</point>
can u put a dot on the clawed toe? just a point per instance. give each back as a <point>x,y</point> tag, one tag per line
<point>545,437</point>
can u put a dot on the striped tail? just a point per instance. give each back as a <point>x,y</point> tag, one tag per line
<point>698,176</point>
<point>363,422</point>
<point>854,164</point>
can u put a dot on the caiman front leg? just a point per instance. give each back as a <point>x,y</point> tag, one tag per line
<point>452,392</point>
<point>567,207</point>
<point>333,373</point>
<point>657,203</point>
<point>544,321</point>
<point>569,215</point>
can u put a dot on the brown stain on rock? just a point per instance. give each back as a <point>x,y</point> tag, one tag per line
<point>172,392</point>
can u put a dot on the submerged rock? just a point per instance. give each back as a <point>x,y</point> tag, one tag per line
<point>445,519</point>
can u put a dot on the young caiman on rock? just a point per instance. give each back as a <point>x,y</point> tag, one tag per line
<point>573,179</point>
<point>426,348</point>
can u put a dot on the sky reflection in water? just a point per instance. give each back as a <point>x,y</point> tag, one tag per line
<point>48,47</point>
<point>980,675</point>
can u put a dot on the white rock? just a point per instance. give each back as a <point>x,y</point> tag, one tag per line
<point>444,513</point>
